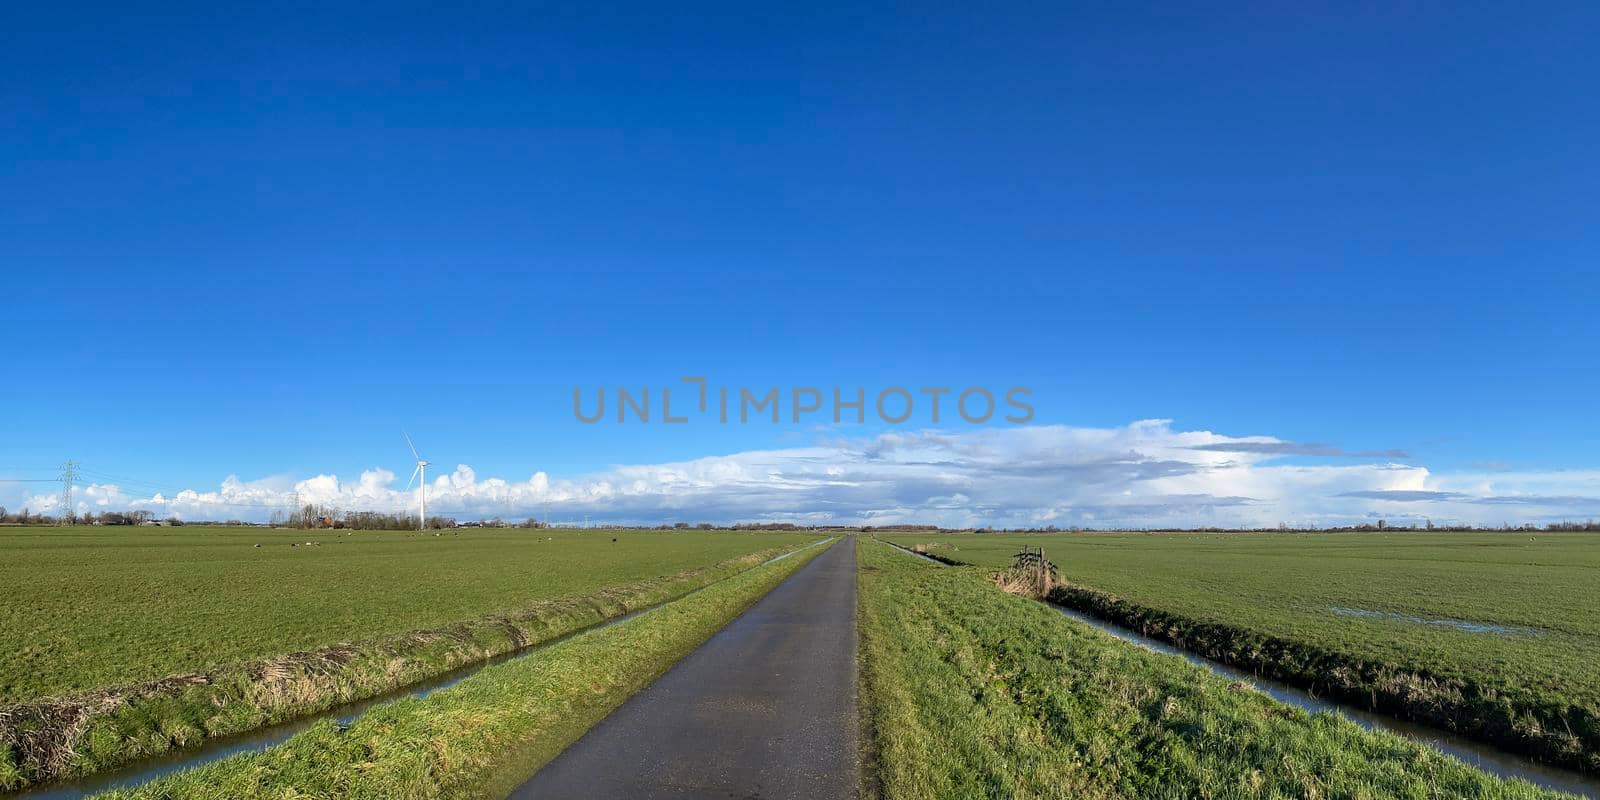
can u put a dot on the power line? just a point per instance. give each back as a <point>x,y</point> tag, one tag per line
<point>137,481</point>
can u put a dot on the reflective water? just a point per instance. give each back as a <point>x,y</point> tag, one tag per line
<point>1459,624</point>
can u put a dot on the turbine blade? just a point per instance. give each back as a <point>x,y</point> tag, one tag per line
<point>413,476</point>
<point>410,445</point>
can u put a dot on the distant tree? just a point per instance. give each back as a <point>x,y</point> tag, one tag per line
<point>377,521</point>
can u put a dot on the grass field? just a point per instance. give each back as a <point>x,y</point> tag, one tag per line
<point>975,693</point>
<point>1503,628</point>
<point>398,609</point>
<point>82,608</point>
<point>492,731</point>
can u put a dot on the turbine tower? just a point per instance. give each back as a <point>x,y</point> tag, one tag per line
<point>422,487</point>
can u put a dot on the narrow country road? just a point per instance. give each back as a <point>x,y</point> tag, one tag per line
<point>765,709</point>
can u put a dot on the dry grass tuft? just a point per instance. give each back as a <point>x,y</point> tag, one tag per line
<point>43,734</point>
<point>1029,576</point>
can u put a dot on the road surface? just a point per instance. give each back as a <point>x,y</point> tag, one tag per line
<point>765,709</point>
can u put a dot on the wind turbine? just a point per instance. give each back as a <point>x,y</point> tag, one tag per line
<point>422,488</point>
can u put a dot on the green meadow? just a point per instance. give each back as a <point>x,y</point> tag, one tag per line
<point>89,607</point>
<point>1492,634</point>
<point>148,640</point>
<point>975,693</point>
<point>485,735</point>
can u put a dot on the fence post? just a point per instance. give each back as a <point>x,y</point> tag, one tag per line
<point>1043,587</point>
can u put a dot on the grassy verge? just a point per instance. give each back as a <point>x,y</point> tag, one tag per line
<point>1539,725</point>
<point>977,693</point>
<point>1488,635</point>
<point>85,733</point>
<point>485,735</point>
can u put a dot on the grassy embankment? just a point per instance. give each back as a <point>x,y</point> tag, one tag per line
<point>524,586</point>
<point>492,731</point>
<point>977,693</point>
<point>1490,635</point>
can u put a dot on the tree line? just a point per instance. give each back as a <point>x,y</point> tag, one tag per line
<point>311,516</point>
<point>26,517</point>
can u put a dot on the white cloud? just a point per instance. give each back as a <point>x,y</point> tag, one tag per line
<point>1141,474</point>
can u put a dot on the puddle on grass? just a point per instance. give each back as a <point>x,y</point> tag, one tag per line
<point>1459,624</point>
<point>146,770</point>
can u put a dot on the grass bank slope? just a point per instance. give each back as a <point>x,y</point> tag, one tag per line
<point>1492,635</point>
<point>975,693</point>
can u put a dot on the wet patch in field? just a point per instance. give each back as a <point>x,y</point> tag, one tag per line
<point>1459,624</point>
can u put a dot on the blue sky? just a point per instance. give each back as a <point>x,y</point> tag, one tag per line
<point>259,243</point>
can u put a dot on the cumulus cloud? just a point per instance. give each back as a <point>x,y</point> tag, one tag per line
<point>1144,474</point>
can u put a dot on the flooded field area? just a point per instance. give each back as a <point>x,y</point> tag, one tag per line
<point>1459,624</point>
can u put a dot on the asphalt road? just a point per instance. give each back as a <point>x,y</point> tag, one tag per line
<point>765,709</point>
